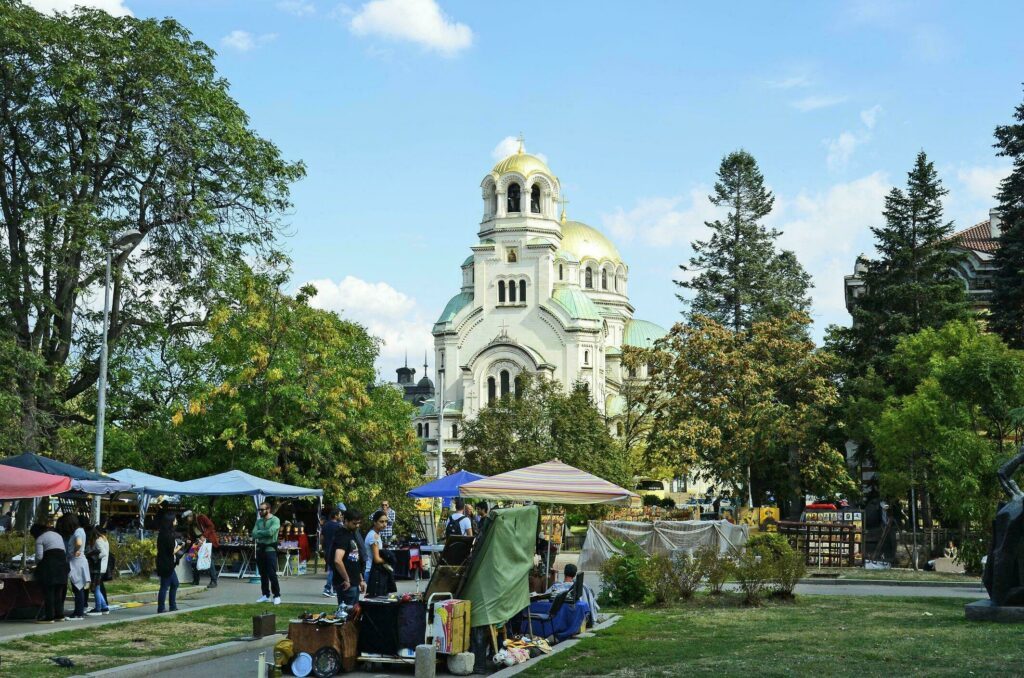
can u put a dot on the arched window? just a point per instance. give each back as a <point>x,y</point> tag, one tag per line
<point>632,373</point>
<point>504,383</point>
<point>501,291</point>
<point>589,279</point>
<point>616,279</point>
<point>560,272</point>
<point>522,291</point>
<point>419,430</point>
<point>535,199</point>
<point>491,391</point>
<point>426,430</point>
<point>604,279</point>
<point>455,430</point>
<point>513,197</point>
<point>512,257</point>
<point>512,291</point>
<point>586,357</point>
<point>519,385</point>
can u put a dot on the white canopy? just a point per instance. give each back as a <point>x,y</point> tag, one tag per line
<point>145,483</point>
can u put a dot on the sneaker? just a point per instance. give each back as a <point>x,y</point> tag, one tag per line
<point>93,613</point>
<point>105,610</point>
<point>72,617</point>
<point>44,621</point>
<point>277,600</point>
<point>263,599</point>
<point>328,594</point>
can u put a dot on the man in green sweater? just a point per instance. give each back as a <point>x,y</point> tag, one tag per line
<point>265,535</point>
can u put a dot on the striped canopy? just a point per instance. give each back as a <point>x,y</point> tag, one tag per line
<point>550,483</point>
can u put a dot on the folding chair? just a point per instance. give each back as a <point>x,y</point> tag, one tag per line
<point>549,616</point>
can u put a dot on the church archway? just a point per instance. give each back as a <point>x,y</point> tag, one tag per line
<point>514,197</point>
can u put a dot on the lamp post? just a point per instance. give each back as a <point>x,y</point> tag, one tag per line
<point>122,243</point>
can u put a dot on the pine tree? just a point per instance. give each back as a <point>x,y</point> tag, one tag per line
<point>740,277</point>
<point>1008,284</point>
<point>911,285</point>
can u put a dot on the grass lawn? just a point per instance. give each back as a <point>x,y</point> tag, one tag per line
<point>125,585</point>
<point>101,647</point>
<point>895,574</point>
<point>817,635</point>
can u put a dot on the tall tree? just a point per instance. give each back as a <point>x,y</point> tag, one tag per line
<point>1008,284</point>
<point>541,423</point>
<point>911,285</point>
<point>113,124</point>
<point>748,408</point>
<point>738,276</point>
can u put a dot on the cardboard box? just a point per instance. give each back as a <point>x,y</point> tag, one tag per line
<point>450,627</point>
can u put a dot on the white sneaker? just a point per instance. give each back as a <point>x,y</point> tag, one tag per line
<point>277,600</point>
<point>263,599</point>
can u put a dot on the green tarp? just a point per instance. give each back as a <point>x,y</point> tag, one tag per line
<point>499,578</point>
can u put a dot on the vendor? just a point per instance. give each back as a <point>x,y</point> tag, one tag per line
<point>568,581</point>
<point>265,534</point>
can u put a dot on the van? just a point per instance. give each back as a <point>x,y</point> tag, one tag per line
<point>653,486</point>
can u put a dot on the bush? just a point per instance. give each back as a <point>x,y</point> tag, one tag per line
<point>715,567</point>
<point>651,500</point>
<point>661,580</point>
<point>789,570</point>
<point>138,554</point>
<point>668,503</point>
<point>11,544</point>
<point>771,543</point>
<point>688,571</point>
<point>622,576</point>
<point>753,573</point>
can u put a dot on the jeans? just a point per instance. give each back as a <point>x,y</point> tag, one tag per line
<point>266,563</point>
<point>101,600</point>
<point>168,583</point>
<point>349,597</point>
<point>329,584</point>
<point>79,601</point>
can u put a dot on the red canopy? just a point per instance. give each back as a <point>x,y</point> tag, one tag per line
<point>19,483</point>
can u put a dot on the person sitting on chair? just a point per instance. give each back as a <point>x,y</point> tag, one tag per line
<point>567,583</point>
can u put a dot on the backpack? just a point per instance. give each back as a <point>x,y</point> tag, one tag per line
<point>454,526</point>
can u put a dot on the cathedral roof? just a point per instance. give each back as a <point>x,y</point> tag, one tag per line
<point>977,237</point>
<point>586,242</point>
<point>429,408</point>
<point>523,163</point>
<point>642,333</point>
<point>566,255</point>
<point>455,304</point>
<point>576,303</point>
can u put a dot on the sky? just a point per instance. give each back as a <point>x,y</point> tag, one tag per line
<point>399,108</point>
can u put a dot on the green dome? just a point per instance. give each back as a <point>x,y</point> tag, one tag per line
<point>642,333</point>
<point>588,243</point>
<point>454,305</point>
<point>576,303</point>
<point>468,261</point>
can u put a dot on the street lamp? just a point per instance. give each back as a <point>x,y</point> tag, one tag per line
<point>122,243</point>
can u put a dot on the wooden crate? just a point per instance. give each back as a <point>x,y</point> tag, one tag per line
<point>344,638</point>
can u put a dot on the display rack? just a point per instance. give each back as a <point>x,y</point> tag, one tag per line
<point>823,544</point>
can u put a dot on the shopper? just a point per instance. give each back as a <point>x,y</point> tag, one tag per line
<point>168,553</point>
<point>458,522</point>
<point>99,557</point>
<point>51,571</point>
<point>347,559</point>
<point>388,533</point>
<point>79,576</point>
<point>265,533</point>
<point>196,526</point>
<point>327,531</point>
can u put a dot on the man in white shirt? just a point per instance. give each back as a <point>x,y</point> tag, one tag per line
<point>458,522</point>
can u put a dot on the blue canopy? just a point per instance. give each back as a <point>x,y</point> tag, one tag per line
<point>241,483</point>
<point>81,479</point>
<point>446,487</point>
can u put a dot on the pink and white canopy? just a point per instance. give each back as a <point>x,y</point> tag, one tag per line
<point>550,483</point>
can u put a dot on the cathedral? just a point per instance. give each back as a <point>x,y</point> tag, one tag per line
<point>540,295</point>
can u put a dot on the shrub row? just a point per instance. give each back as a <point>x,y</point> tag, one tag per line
<point>766,565</point>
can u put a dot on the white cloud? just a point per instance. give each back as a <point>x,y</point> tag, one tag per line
<point>789,82</point>
<point>510,145</point>
<point>827,231</point>
<point>817,102</point>
<point>114,7</point>
<point>841,149</point>
<point>869,116</point>
<point>982,182</point>
<point>387,313</point>
<point>419,21</point>
<point>663,222</point>
<point>244,41</point>
<point>297,7</point>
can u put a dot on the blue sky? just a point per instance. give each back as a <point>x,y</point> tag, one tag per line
<point>397,108</point>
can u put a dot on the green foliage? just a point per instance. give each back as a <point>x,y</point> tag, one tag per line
<point>716,567</point>
<point>651,500</point>
<point>752,569</point>
<point>786,565</point>
<point>748,406</point>
<point>661,580</point>
<point>114,124</point>
<point>141,552</point>
<point>1007,284</point>
<point>740,278</point>
<point>11,544</point>
<point>542,423</point>
<point>688,572</point>
<point>623,577</point>
<point>667,503</point>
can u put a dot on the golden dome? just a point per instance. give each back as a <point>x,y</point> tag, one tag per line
<point>522,163</point>
<point>587,243</point>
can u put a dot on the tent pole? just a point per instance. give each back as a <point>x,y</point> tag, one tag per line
<point>547,565</point>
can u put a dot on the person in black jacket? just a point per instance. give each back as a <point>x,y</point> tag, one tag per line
<point>167,555</point>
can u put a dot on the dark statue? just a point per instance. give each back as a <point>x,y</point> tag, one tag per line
<point>1004,569</point>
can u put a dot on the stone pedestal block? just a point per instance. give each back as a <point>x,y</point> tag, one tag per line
<point>461,664</point>
<point>986,610</point>
<point>426,661</point>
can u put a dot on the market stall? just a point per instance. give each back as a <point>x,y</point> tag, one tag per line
<point>661,537</point>
<point>445,488</point>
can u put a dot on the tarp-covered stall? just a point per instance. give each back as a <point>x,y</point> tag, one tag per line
<point>662,537</point>
<point>498,582</point>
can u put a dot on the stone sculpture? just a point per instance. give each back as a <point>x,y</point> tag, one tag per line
<point>1004,569</point>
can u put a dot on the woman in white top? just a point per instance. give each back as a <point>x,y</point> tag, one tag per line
<point>78,575</point>
<point>374,543</point>
<point>100,554</point>
<point>380,578</point>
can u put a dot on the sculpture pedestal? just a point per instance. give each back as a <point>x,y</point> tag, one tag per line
<point>986,610</point>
